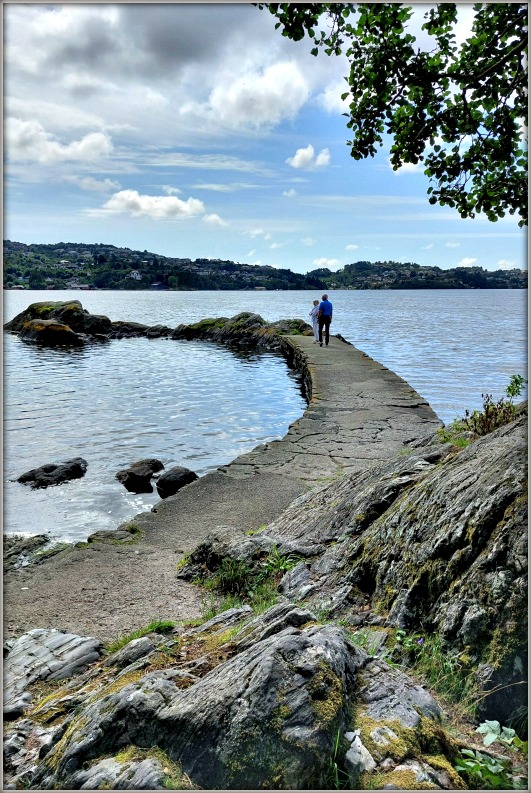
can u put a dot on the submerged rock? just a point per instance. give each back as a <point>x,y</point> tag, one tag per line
<point>54,473</point>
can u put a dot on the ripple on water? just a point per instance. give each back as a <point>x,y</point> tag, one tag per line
<point>187,403</point>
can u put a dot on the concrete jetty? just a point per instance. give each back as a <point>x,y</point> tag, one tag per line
<point>359,412</point>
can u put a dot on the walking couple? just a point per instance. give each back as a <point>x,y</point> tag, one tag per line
<point>321,315</point>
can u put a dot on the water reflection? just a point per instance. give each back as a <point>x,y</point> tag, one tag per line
<point>195,404</point>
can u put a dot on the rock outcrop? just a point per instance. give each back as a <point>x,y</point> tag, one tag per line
<point>243,329</point>
<point>137,478</point>
<point>433,542</point>
<point>70,313</point>
<point>54,473</point>
<point>277,701</point>
<point>43,655</point>
<point>72,324</point>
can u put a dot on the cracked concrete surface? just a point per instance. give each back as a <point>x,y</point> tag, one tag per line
<point>359,413</point>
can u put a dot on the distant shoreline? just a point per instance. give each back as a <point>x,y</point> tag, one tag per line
<point>99,266</point>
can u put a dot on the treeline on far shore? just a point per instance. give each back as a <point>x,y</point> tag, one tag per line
<point>98,266</point>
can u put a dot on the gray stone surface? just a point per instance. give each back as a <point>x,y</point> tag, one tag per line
<point>389,694</point>
<point>43,654</point>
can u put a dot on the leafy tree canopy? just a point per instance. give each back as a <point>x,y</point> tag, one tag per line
<point>459,110</point>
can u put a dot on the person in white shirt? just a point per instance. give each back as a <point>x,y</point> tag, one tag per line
<point>315,322</point>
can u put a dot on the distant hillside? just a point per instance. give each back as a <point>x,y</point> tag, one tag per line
<point>67,265</point>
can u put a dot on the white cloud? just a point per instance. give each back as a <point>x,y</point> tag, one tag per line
<point>351,247</point>
<point>306,159</point>
<point>169,190</point>
<point>224,188</point>
<point>29,141</point>
<point>506,264</point>
<point>258,233</point>
<point>255,99</point>
<point>275,245</point>
<point>330,98</point>
<point>214,220</point>
<point>468,261</point>
<point>92,184</point>
<point>215,162</point>
<point>323,262</point>
<point>251,253</point>
<point>290,193</point>
<point>452,244</point>
<point>131,202</point>
<point>427,247</point>
<point>308,241</point>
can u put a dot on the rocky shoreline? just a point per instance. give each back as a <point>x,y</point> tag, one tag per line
<point>335,580</point>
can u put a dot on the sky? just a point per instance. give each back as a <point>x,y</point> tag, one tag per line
<point>198,131</point>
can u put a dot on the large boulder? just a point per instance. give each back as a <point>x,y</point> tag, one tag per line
<point>50,332</point>
<point>54,473</point>
<point>173,480</point>
<point>68,313</point>
<point>137,478</point>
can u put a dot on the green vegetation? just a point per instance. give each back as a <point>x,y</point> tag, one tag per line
<point>236,582</point>
<point>493,732</point>
<point>450,675</point>
<point>335,776</point>
<point>457,109</point>
<point>71,265</point>
<point>481,422</point>
<point>158,626</point>
<point>454,433</point>
<point>495,414</point>
<point>484,772</point>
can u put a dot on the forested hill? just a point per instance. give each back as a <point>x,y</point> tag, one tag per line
<point>97,266</point>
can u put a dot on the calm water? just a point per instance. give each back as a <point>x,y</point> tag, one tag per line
<point>200,405</point>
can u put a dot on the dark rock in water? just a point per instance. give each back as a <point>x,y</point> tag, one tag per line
<point>50,332</point>
<point>244,329</point>
<point>137,477</point>
<point>54,473</point>
<point>158,331</point>
<point>173,480</point>
<point>121,329</point>
<point>68,313</point>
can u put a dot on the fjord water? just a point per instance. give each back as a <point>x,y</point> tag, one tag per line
<point>199,405</point>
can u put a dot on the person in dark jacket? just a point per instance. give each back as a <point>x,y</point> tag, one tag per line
<point>325,318</point>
